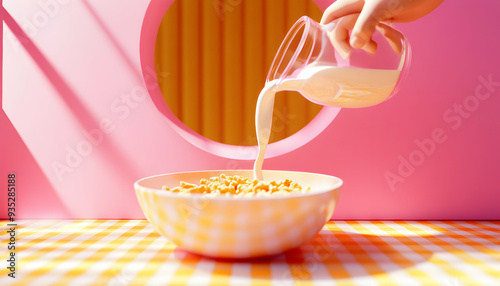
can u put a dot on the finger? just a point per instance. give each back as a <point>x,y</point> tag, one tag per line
<point>393,36</point>
<point>341,8</point>
<point>364,27</point>
<point>370,47</point>
<point>340,40</point>
<point>340,37</point>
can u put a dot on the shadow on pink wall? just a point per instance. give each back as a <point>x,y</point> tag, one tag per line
<point>24,158</point>
<point>68,95</point>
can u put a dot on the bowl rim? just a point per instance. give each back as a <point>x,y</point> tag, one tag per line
<point>138,188</point>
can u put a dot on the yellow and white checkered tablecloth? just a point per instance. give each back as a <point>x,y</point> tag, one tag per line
<point>130,252</point>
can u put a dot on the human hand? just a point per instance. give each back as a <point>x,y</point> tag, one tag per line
<point>364,16</point>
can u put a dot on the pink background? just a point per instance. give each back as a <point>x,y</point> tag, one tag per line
<point>80,64</point>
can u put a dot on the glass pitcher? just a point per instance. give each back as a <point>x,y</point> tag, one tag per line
<point>309,61</point>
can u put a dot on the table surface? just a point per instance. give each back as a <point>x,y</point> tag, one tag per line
<point>131,252</point>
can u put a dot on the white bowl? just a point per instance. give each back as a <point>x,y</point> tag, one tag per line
<point>237,227</point>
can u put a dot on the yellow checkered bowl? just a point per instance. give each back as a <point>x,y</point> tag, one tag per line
<point>237,227</point>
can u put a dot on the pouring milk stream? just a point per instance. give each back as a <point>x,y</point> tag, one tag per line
<point>319,79</point>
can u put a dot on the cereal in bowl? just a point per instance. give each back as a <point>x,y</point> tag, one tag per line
<point>238,186</point>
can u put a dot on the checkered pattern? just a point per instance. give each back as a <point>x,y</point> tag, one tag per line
<point>99,252</point>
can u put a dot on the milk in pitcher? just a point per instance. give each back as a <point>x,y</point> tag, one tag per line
<point>325,85</point>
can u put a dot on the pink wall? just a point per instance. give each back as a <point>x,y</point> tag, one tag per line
<point>81,66</point>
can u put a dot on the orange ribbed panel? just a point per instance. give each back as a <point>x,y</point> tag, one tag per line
<point>216,55</point>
